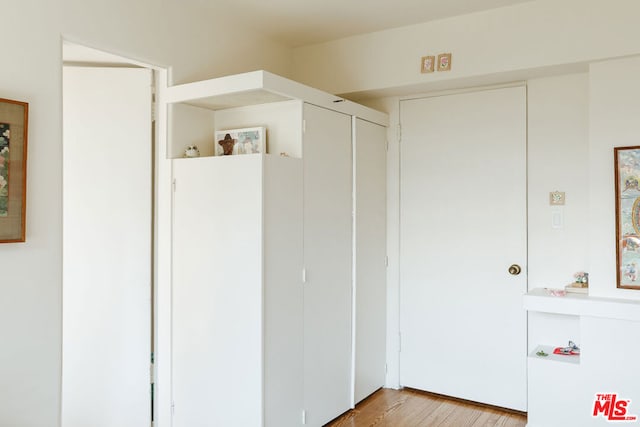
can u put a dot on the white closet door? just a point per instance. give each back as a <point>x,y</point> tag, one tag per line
<point>283,291</point>
<point>327,258</point>
<point>463,223</point>
<point>217,292</point>
<point>370,257</point>
<point>107,245</point>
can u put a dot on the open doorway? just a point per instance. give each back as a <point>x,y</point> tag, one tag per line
<point>108,239</point>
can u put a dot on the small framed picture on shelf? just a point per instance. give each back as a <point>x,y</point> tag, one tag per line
<point>241,141</point>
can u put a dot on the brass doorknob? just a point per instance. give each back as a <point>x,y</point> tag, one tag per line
<point>515,269</point>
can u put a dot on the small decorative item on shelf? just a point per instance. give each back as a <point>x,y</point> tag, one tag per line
<point>556,292</point>
<point>571,350</point>
<point>192,151</point>
<point>582,278</point>
<point>241,141</point>
<point>542,353</point>
<point>226,144</point>
<point>580,284</point>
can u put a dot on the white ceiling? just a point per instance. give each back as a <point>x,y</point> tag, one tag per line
<point>301,22</point>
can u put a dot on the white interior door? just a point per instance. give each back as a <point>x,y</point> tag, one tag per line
<point>107,247</point>
<point>370,257</point>
<point>463,223</point>
<point>327,258</point>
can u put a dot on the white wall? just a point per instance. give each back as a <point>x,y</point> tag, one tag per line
<point>614,90</point>
<point>30,299</point>
<point>557,159</point>
<point>558,112</point>
<point>488,47</point>
<point>196,43</point>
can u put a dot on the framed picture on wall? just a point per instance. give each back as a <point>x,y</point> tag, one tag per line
<point>13,169</point>
<point>627,186</point>
<point>444,62</point>
<point>241,141</point>
<point>427,64</point>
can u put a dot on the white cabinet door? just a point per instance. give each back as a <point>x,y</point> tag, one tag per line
<point>217,292</point>
<point>283,291</point>
<point>370,257</point>
<point>463,223</point>
<point>107,247</point>
<point>328,263</point>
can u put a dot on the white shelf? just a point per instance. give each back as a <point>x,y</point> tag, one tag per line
<point>261,87</point>
<point>235,156</point>
<point>258,98</point>
<point>575,360</point>
<point>225,92</point>
<point>582,305</point>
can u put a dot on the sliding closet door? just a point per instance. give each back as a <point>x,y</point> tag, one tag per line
<point>463,224</point>
<point>370,257</point>
<point>107,247</point>
<point>327,258</point>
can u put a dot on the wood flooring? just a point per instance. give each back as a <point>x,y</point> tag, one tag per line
<point>413,408</point>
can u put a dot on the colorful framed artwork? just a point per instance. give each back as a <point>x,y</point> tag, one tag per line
<point>627,186</point>
<point>241,141</point>
<point>427,64</point>
<point>444,62</point>
<point>14,117</point>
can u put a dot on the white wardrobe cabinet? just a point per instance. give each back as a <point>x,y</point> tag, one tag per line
<point>268,325</point>
<point>237,294</point>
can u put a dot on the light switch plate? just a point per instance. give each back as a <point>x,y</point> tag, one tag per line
<point>557,218</point>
